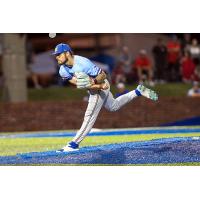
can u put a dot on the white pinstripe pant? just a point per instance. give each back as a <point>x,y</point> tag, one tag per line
<point>96,101</point>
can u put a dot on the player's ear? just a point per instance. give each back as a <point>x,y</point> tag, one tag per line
<point>67,54</point>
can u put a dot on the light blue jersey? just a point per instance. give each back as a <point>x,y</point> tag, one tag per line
<point>81,64</point>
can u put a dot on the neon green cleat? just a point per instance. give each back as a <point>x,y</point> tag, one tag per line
<point>146,92</point>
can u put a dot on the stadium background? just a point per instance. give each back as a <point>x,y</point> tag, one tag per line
<point>49,104</point>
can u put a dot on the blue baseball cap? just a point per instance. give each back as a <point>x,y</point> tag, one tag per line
<point>61,48</point>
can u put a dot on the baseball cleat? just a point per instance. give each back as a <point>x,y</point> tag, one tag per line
<point>146,92</point>
<point>71,146</point>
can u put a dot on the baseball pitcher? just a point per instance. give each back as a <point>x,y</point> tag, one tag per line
<point>82,73</point>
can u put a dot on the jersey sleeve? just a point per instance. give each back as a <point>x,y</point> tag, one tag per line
<point>64,73</point>
<point>92,69</point>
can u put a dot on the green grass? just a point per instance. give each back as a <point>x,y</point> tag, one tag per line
<point>172,89</point>
<point>56,94</point>
<point>71,93</point>
<point>12,146</point>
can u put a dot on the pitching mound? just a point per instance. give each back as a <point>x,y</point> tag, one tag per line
<point>174,150</point>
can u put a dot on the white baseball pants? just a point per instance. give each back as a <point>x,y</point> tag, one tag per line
<point>96,101</point>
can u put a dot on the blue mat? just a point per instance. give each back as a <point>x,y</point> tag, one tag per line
<point>194,121</point>
<point>173,150</point>
<point>166,130</point>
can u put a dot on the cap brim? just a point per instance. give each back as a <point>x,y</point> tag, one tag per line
<point>55,53</point>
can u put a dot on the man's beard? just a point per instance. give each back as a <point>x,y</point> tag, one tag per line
<point>65,61</point>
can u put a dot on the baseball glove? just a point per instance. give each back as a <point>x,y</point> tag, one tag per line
<point>83,80</point>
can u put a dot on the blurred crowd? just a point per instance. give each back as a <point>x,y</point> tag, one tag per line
<point>173,61</point>
<point>170,60</point>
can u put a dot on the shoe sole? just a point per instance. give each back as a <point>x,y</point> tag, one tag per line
<point>61,151</point>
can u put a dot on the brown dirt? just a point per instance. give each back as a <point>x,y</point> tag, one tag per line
<point>37,116</point>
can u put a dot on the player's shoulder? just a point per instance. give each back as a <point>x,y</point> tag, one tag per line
<point>62,71</point>
<point>62,68</point>
<point>81,59</point>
